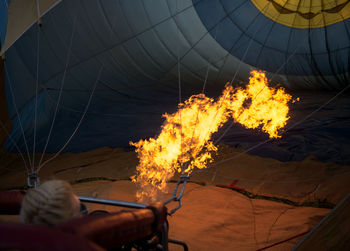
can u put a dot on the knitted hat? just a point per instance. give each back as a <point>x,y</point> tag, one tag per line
<point>49,204</point>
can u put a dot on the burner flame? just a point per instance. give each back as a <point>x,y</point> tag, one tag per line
<point>185,140</point>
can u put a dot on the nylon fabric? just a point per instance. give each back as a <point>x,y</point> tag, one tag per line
<point>304,14</point>
<point>138,44</point>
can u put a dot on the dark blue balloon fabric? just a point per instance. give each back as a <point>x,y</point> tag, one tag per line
<point>137,46</point>
<point>259,41</point>
<point>3,19</point>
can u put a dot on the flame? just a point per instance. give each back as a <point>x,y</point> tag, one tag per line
<point>184,142</point>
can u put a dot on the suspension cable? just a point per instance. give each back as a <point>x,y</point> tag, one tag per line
<point>184,178</point>
<point>272,77</point>
<point>36,89</point>
<point>78,125</point>
<point>295,124</point>
<point>179,77</point>
<point>17,113</point>
<point>61,88</point>
<point>241,61</point>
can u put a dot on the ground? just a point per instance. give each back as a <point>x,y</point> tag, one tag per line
<point>280,199</point>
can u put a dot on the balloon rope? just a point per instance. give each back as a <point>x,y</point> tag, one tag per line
<point>38,11</point>
<point>10,137</point>
<point>250,42</point>
<point>36,95</point>
<point>291,55</point>
<point>203,90</point>
<point>17,113</point>
<point>207,71</point>
<point>95,113</point>
<point>61,88</point>
<point>78,125</point>
<point>120,43</point>
<point>261,143</point>
<point>273,76</point>
<point>239,66</point>
<point>4,128</point>
<point>179,77</point>
<point>295,124</point>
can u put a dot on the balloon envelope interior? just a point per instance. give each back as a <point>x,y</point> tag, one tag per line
<point>113,65</point>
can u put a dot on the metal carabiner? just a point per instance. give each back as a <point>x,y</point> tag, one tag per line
<point>33,180</point>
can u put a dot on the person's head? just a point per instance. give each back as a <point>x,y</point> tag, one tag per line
<point>49,204</point>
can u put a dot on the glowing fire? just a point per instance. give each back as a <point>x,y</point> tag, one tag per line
<point>184,142</point>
